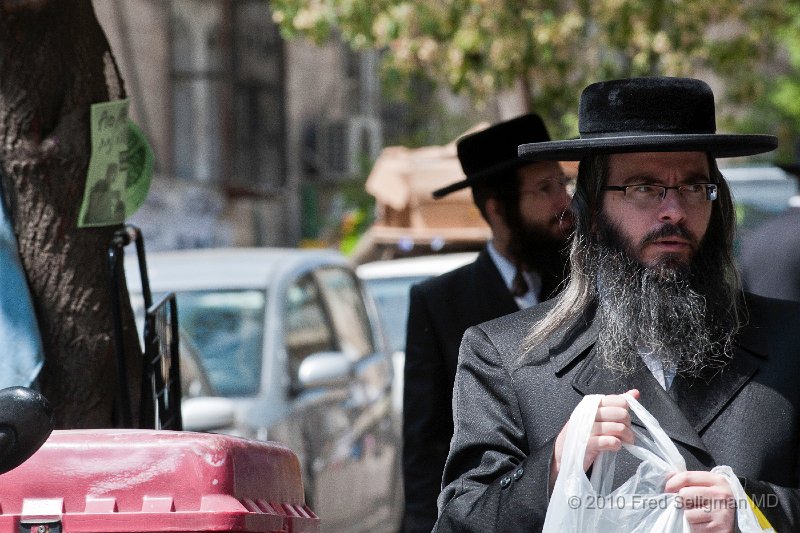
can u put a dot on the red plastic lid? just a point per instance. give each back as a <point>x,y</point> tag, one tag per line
<point>149,481</point>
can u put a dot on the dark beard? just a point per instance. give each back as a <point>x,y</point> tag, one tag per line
<point>682,313</point>
<point>536,250</point>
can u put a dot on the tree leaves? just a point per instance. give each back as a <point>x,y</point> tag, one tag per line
<point>557,47</point>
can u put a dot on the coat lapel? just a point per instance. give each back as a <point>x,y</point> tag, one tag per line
<point>578,344</point>
<point>702,400</point>
<point>690,405</point>
<point>593,378</point>
<point>494,297</point>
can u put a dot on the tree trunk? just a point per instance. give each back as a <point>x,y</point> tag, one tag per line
<point>55,62</point>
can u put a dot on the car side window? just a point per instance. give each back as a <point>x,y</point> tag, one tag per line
<point>348,313</point>
<point>224,329</point>
<point>307,329</point>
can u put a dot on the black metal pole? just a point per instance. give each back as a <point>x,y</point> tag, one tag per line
<point>115,270</point>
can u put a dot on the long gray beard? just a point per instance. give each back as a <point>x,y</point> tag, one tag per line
<point>656,309</point>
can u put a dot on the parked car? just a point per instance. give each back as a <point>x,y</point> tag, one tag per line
<point>388,283</point>
<point>282,345</point>
<point>760,193</point>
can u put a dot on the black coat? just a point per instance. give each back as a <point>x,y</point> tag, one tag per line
<point>440,310</point>
<point>509,411</point>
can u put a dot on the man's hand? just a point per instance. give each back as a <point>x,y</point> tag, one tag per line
<point>708,503</point>
<point>612,427</point>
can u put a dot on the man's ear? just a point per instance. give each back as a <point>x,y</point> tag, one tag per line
<point>495,212</point>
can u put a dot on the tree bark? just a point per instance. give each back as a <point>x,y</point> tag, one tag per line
<point>55,62</point>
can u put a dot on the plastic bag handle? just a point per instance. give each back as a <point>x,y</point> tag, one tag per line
<point>572,481</point>
<point>580,429</point>
<point>667,451</point>
<point>746,518</point>
<point>578,432</point>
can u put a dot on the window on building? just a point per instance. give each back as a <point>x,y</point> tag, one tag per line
<point>228,95</point>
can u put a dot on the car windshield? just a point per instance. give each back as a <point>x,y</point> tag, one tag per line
<point>391,298</point>
<point>226,329</point>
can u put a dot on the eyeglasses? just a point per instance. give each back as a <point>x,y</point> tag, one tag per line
<point>646,195</point>
<point>552,187</point>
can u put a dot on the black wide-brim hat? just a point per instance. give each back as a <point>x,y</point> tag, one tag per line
<point>657,114</point>
<point>492,152</point>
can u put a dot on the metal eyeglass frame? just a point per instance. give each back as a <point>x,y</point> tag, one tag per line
<point>711,189</point>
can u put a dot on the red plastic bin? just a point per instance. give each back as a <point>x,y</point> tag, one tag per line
<point>153,481</point>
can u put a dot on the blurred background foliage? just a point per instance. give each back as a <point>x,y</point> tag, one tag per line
<point>749,51</point>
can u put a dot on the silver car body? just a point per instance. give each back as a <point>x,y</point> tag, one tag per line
<point>332,407</point>
<point>759,193</point>
<point>388,283</point>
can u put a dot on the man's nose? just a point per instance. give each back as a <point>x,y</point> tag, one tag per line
<point>671,207</point>
<point>562,199</point>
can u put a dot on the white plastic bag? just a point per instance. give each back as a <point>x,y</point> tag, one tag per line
<point>638,505</point>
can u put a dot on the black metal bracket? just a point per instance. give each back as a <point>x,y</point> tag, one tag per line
<point>161,388</point>
<point>116,254</point>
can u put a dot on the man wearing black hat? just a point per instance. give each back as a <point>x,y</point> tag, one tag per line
<point>653,306</point>
<point>525,204</point>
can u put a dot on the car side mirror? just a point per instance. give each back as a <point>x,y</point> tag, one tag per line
<point>324,369</point>
<point>207,413</point>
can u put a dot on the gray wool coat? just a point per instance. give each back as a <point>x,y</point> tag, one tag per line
<point>440,310</point>
<point>508,411</point>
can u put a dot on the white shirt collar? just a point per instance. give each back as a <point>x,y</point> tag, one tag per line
<point>508,271</point>
<point>662,375</point>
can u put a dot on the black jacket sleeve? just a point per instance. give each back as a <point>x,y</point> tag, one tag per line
<point>492,481</point>
<point>427,418</point>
